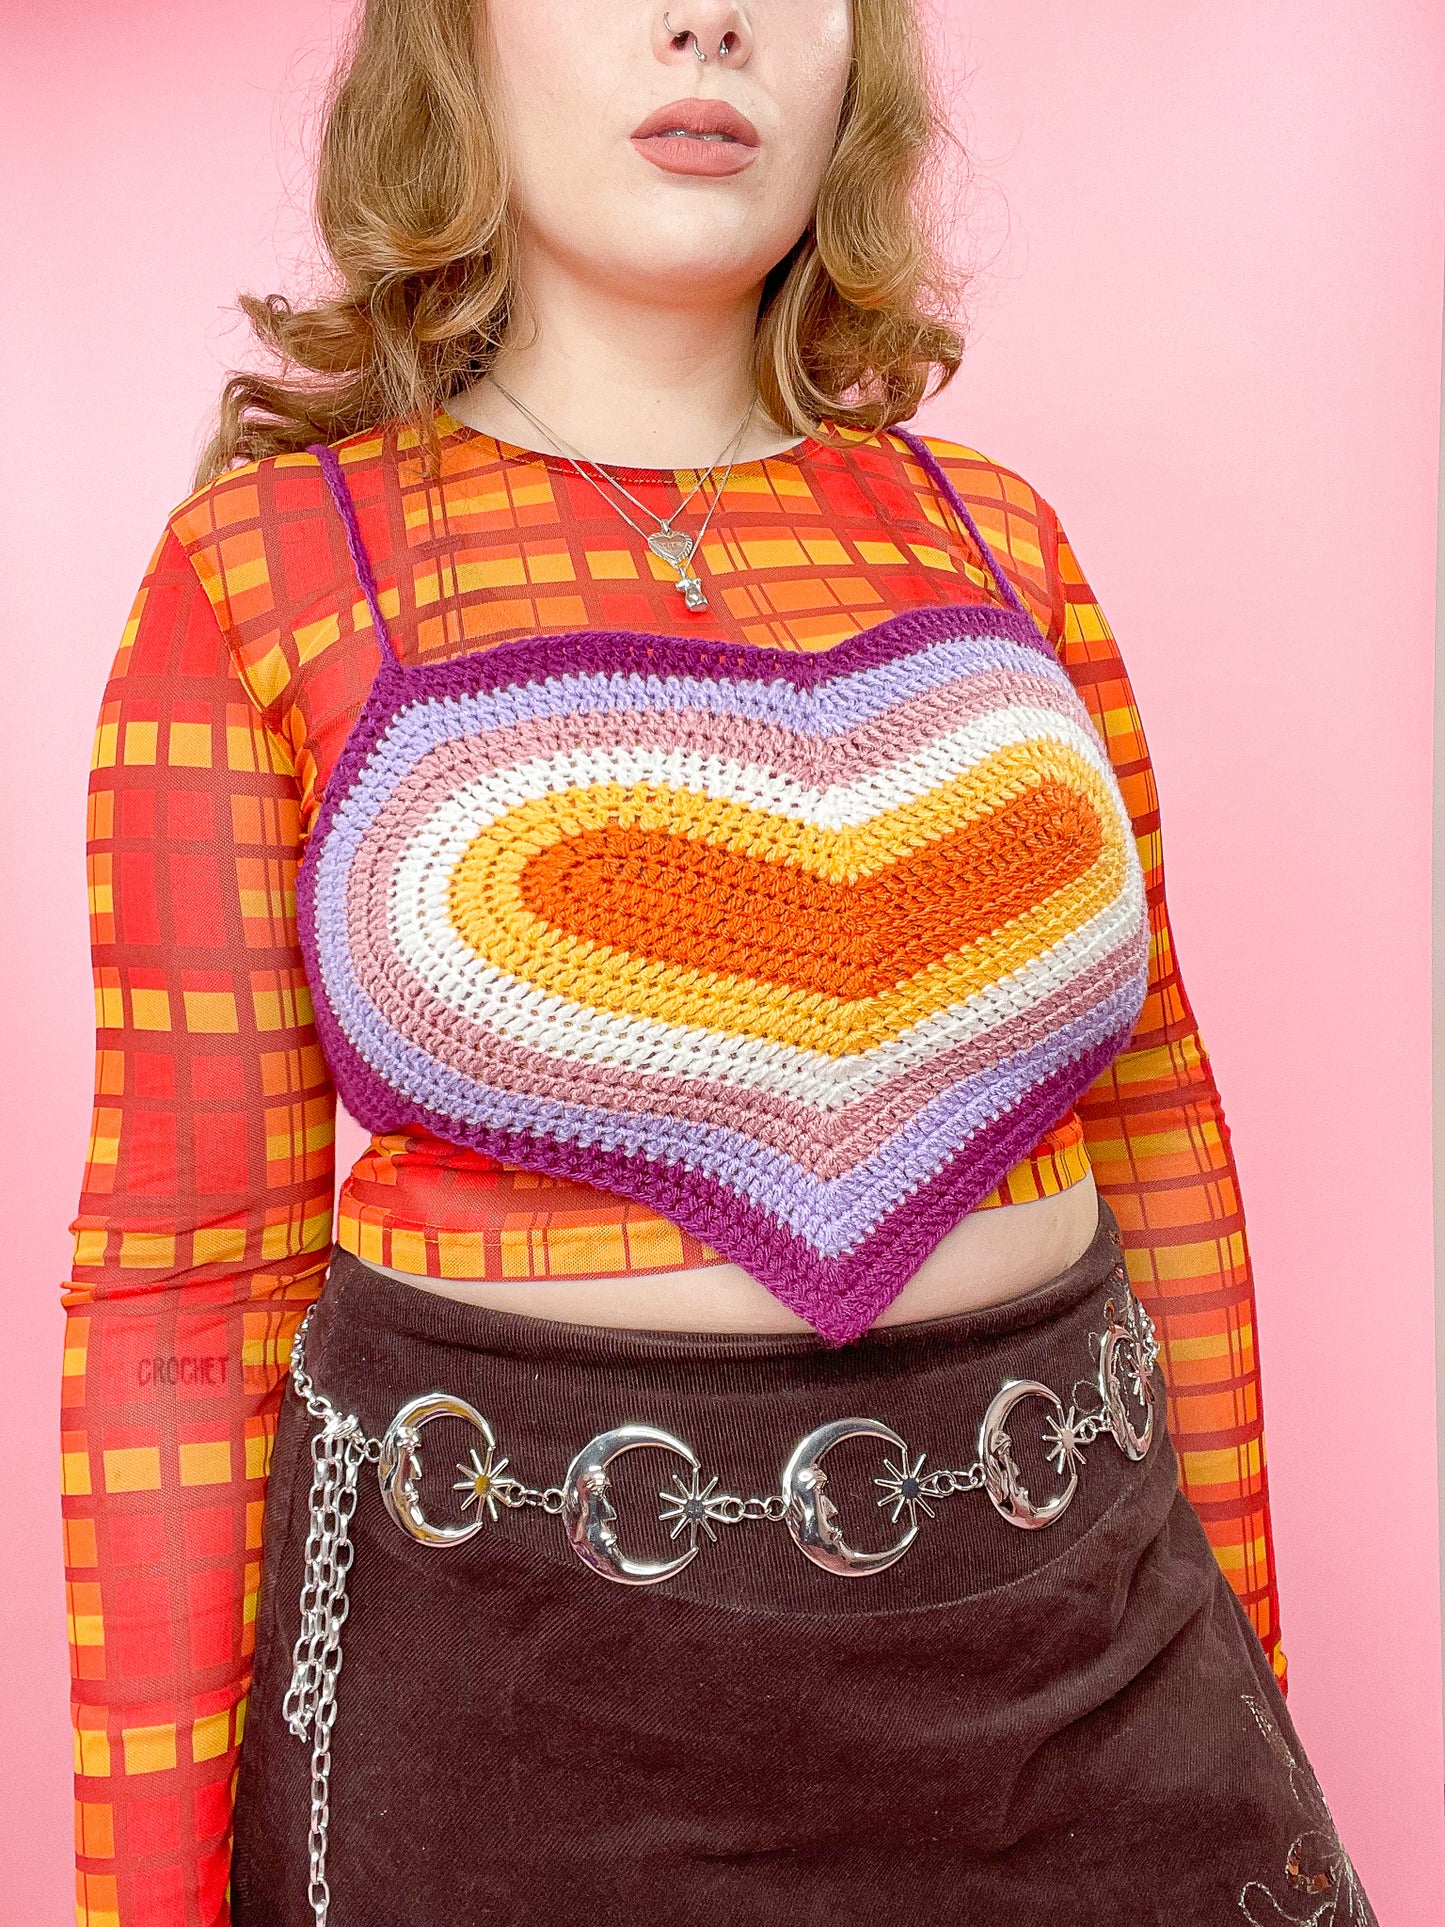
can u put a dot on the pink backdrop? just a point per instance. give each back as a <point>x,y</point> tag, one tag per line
<point>1210,333</point>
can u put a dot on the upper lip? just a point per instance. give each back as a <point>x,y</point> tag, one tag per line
<point>700,117</point>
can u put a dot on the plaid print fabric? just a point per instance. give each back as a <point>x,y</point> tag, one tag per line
<point>206,1216</point>
<point>428,1207</point>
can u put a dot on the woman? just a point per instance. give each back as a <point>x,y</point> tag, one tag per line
<point>732,899</point>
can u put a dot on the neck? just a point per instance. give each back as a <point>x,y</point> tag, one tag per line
<point>623,381</point>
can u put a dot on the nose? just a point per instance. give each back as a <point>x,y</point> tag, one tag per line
<point>703,30</point>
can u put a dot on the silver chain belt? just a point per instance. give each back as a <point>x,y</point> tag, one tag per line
<point>692,1506</point>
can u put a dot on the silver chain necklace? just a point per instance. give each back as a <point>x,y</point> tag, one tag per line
<point>671,545</point>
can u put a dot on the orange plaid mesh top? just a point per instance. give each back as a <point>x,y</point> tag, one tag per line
<point>207,1213</point>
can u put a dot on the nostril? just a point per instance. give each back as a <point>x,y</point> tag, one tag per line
<point>680,40</point>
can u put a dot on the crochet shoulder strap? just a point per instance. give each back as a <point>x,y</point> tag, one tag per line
<point>361,561</point>
<point>934,469</point>
<point>356,547</point>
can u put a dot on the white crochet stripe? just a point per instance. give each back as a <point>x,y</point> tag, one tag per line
<point>497,1001</point>
<point>835,807</point>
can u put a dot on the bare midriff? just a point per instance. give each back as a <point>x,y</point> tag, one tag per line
<point>988,1258</point>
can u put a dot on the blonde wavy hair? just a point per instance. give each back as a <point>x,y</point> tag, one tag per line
<point>413,211</point>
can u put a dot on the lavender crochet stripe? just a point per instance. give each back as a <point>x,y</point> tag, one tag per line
<point>425,730</point>
<point>406,783</point>
<point>432,733</point>
<point>598,652</point>
<point>839,1295</point>
<point>817,711</point>
<point>424,723</point>
<point>438,733</point>
<point>392,801</point>
<point>826,1131</point>
<point>382,996</point>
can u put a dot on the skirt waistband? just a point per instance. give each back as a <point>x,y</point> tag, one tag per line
<point>372,1309</point>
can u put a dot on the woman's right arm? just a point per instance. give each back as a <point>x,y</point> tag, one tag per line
<point>203,1234</point>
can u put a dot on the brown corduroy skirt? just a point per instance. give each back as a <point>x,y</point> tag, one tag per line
<point>1072,1726</point>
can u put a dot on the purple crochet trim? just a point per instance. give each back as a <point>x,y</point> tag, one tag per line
<point>360,560</point>
<point>530,662</point>
<point>934,470</point>
<point>832,1213</point>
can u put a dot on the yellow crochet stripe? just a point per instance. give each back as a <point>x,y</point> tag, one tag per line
<point>490,916</point>
<point>753,830</point>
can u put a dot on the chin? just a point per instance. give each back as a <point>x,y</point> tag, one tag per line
<point>705,260</point>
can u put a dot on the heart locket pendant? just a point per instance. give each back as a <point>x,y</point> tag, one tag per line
<point>673,546</point>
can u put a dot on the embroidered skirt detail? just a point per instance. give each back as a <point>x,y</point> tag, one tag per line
<point>1040,1701</point>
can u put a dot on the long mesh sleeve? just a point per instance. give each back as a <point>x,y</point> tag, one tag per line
<point>1159,1144</point>
<point>203,1233</point>
<point>1153,1124</point>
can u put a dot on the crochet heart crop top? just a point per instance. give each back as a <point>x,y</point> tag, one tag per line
<point>802,951</point>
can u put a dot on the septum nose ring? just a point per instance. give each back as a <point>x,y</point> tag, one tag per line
<point>688,35</point>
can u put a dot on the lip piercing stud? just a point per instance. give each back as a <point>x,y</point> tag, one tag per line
<point>688,34</point>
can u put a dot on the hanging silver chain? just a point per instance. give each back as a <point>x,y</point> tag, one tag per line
<point>338,1452</point>
<point>572,455</point>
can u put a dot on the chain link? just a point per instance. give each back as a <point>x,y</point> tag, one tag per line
<point>317,1403</point>
<point>944,1483</point>
<point>731,1509</point>
<point>513,1494</point>
<point>338,1452</point>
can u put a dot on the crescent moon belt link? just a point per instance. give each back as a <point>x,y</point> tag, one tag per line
<point>1128,1349</point>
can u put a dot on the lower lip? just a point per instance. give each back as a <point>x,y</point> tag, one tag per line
<point>677,154</point>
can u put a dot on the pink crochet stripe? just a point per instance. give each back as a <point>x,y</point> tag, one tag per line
<point>875,746</point>
<point>823,1145</point>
